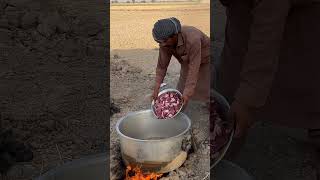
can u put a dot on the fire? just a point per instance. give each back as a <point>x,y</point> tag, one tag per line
<point>138,175</point>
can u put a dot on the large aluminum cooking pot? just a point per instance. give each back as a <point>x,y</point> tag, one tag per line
<point>150,142</point>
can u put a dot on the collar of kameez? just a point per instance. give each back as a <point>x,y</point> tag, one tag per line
<point>180,39</point>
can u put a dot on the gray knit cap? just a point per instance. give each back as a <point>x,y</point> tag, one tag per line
<point>164,28</point>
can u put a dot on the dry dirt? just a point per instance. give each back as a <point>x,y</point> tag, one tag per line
<point>52,71</point>
<point>133,60</point>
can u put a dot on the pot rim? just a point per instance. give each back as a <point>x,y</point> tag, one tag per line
<point>152,140</point>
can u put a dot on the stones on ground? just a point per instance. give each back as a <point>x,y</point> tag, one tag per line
<point>181,173</point>
<point>186,143</point>
<point>173,176</point>
<point>189,171</point>
<point>29,20</point>
<point>188,138</point>
<point>114,108</point>
<point>188,148</point>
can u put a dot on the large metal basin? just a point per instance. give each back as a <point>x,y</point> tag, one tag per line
<point>150,142</point>
<point>224,108</point>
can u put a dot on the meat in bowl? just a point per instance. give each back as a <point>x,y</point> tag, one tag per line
<point>167,105</point>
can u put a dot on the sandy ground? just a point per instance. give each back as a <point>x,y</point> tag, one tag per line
<point>270,151</point>
<point>131,27</point>
<point>52,80</point>
<point>133,60</point>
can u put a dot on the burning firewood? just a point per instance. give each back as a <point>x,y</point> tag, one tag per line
<point>137,174</point>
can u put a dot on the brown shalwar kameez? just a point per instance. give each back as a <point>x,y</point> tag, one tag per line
<point>271,60</point>
<point>193,53</point>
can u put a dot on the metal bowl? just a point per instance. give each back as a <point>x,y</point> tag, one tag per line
<point>165,91</point>
<point>148,142</point>
<point>224,105</point>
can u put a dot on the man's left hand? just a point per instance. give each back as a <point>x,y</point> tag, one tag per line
<point>185,100</point>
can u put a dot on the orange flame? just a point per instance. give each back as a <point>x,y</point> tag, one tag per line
<point>138,175</point>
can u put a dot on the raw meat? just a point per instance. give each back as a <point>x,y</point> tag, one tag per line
<point>167,105</point>
<point>220,128</point>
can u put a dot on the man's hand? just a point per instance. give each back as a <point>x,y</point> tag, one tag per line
<point>242,115</point>
<point>185,100</point>
<point>155,92</point>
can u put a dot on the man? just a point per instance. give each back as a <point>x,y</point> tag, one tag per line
<point>191,48</point>
<point>270,64</point>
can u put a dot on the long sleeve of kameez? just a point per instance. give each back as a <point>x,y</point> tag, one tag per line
<point>163,63</point>
<point>261,61</point>
<point>194,66</point>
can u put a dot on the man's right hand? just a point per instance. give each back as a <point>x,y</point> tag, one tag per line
<point>242,115</point>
